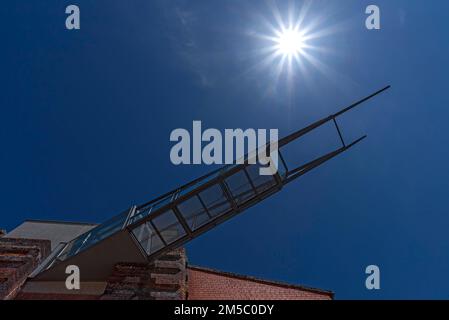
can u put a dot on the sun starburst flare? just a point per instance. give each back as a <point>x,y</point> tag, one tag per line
<point>289,45</point>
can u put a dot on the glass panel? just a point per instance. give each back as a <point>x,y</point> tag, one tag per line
<point>162,202</point>
<point>199,183</point>
<point>73,247</point>
<point>215,200</point>
<point>282,169</point>
<point>140,214</point>
<point>145,212</point>
<point>207,179</point>
<point>95,235</point>
<point>262,183</point>
<point>193,212</point>
<point>148,238</point>
<point>169,226</point>
<point>240,187</point>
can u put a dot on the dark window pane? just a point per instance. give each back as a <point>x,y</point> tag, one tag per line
<point>148,238</point>
<point>169,226</point>
<point>193,212</point>
<point>215,200</point>
<point>240,187</point>
<point>262,183</point>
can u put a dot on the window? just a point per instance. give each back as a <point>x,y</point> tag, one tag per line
<point>240,187</point>
<point>169,227</point>
<point>94,236</point>
<point>194,212</point>
<point>261,183</point>
<point>148,238</point>
<point>215,200</point>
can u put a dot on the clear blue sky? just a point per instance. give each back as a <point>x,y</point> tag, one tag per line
<point>86,117</point>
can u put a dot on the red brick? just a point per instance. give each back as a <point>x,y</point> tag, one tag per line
<point>205,284</point>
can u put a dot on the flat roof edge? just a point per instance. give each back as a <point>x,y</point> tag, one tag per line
<point>61,222</point>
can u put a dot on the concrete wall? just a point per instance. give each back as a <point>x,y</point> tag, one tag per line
<point>55,232</point>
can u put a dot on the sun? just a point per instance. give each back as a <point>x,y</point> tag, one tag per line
<point>290,42</point>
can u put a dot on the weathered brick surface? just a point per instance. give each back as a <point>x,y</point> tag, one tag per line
<point>205,284</point>
<point>167,278</point>
<point>164,279</point>
<point>18,258</point>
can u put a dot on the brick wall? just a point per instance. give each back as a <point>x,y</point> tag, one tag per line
<point>18,258</point>
<point>167,278</point>
<point>163,279</point>
<point>206,284</point>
